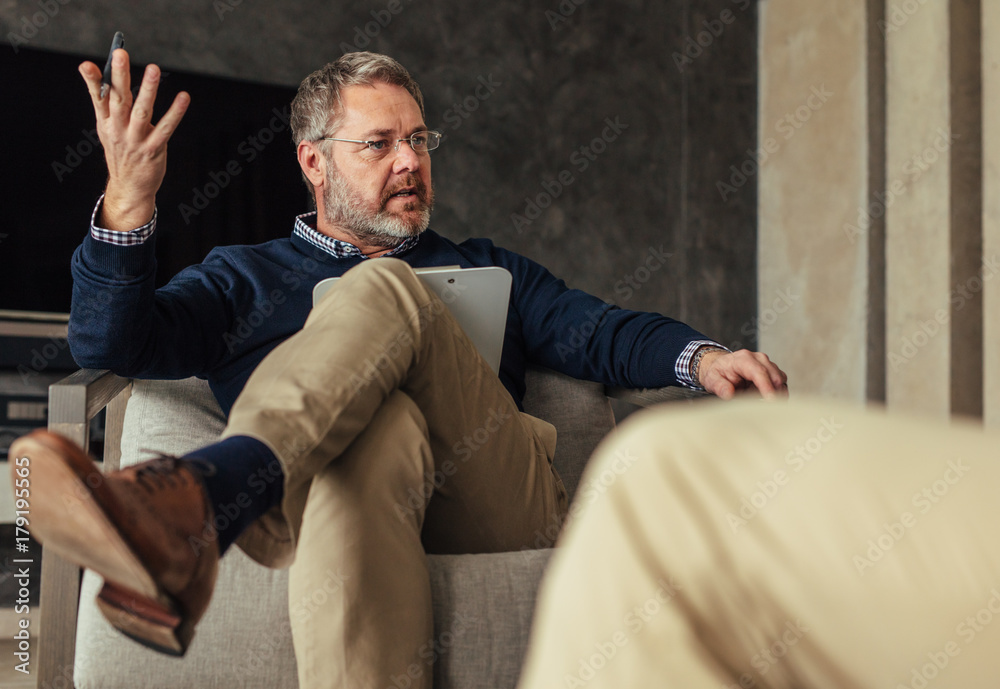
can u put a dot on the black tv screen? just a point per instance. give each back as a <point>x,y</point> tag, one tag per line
<point>232,176</point>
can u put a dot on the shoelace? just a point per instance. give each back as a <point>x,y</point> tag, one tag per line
<point>162,472</point>
<point>158,474</point>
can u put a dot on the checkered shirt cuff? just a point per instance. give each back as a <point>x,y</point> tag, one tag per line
<point>682,369</point>
<point>130,238</point>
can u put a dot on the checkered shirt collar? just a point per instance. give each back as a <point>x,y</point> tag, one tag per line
<point>305,228</point>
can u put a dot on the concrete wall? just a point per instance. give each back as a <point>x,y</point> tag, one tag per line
<point>880,213</point>
<point>680,75</point>
<point>813,274</point>
<point>933,237</point>
<point>991,210</point>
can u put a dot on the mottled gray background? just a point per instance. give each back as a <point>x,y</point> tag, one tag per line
<point>655,186</point>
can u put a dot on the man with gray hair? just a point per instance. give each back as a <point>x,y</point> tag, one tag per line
<point>325,443</point>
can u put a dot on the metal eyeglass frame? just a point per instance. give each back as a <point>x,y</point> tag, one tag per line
<point>437,140</point>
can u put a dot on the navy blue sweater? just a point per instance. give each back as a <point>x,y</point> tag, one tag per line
<point>219,319</point>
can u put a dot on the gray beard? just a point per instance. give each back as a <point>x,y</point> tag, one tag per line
<point>346,209</point>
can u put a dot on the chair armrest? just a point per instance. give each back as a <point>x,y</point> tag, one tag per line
<point>73,402</point>
<point>650,396</point>
<point>78,398</point>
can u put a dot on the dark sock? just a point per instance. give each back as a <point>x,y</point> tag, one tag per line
<point>243,480</point>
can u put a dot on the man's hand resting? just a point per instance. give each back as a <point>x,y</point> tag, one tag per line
<point>724,373</point>
<point>135,149</point>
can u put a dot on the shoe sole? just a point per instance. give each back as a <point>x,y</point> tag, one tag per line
<point>73,522</point>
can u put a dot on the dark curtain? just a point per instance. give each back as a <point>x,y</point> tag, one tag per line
<point>232,177</point>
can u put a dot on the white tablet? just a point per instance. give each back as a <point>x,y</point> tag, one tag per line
<point>476,297</point>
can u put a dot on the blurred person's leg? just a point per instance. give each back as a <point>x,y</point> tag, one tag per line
<point>777,545</point>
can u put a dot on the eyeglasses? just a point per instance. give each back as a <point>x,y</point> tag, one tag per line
<point>421,142</point>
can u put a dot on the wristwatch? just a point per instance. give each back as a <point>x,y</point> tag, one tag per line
<point>696,361</point>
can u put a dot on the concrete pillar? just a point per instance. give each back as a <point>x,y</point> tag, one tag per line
<point>933,304</point>
<point>814,123</point>
<point>991,212</point>
<point>874,212</point>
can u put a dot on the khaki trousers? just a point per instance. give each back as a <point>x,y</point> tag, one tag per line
<point>798,544</point>
<point>396,439</point>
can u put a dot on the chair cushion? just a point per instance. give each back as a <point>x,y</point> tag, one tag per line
<point>482,603</point>
<point>483,607</point>
<point>244,640</point>
<point>578,409</point>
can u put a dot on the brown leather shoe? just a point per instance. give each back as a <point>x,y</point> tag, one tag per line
<point>140,528</point>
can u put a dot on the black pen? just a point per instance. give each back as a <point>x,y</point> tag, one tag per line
<point>117,42</point>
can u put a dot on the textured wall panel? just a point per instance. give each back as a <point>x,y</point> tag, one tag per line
<point>642,222</point>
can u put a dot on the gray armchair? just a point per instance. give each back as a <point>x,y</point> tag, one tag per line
<point>483,604</point>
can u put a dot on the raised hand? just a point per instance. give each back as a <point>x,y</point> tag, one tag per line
<point>135,149</point>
